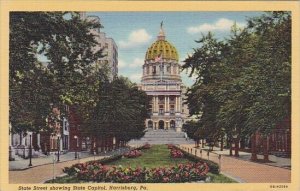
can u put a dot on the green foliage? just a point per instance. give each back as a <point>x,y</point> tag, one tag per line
<point>191,127</point>
<point>213,167</point>
<point>121,110</point>
<point>63,39</point>
<point>244,81</point>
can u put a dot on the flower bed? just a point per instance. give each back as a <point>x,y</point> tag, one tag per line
<point>214,167</point>
<point>175,153</point>
<point>133,154</point>
<point>95,171</point>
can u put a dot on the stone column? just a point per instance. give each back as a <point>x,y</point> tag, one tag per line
<point>38,136</point>
<point>156,108</point>
<point>165,104</point>
<point>23,140</point>
<point>176,104</point>
<point>179,104</point>
<point>168,104</point>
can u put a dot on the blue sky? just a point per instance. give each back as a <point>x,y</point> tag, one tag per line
<point>134,32</point>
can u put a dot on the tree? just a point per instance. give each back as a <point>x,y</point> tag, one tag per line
<point>66,43</point>
<point>121,111</point>
<point>191,127</point>
<point>201,98</point>
<point>243,84</point>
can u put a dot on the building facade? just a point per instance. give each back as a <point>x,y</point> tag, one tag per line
<point>107,45</point>
<point>162,82</point>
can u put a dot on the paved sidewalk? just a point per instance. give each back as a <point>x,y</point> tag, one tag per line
<point>44,169</point>
<point>22,164</point>
<point>42,173</point>
<point>273,160</point>
<point>244,170</point>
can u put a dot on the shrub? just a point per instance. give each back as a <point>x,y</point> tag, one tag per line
<point>214,167</point>
<point>95,171</point>
<point>176,153</point>
<point>133,154</point>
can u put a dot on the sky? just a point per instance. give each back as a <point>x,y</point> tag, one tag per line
<point>134,32</point>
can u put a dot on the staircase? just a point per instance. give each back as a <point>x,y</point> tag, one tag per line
<point>158,137</point>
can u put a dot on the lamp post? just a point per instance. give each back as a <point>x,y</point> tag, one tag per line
<point>76,138</point>
<point>58,147</point>
<point>30,150</point>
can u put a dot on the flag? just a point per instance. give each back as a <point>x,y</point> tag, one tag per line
<point>158,58</point>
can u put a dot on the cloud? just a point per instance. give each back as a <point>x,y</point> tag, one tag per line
<point>137,62</point>
<point>222,24</point>
<point>122,64</point>
<point>136,38</point>
<point>136,77</point>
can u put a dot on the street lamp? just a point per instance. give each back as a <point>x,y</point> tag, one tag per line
<point>58,147</point>
<point>30,150</point>
<point>76,138</point>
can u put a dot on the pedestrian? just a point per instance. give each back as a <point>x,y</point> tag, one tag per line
<point>186,137</point>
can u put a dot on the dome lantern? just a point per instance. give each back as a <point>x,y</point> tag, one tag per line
<point>161,34</point>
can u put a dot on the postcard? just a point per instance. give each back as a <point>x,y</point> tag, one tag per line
<point>149,95</point>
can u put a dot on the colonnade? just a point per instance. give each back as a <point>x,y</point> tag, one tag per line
<point>166,104</point>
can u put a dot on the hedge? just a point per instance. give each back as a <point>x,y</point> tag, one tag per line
<point>214,167</point>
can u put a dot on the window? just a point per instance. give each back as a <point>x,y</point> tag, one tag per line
<point>154,69</point>
<point>150,110</point>
<point>169,69</point>
<point>161,109</point>
<point>172,110</point>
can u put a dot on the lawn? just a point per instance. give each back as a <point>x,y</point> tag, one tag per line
<point>157,156</point>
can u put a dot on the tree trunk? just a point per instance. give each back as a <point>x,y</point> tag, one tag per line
<point>243,143</point>
<point>253,148</point>
<point>236,147</point>
<point>222,143</point>
<point>266,149</point>
<point>230,147</point>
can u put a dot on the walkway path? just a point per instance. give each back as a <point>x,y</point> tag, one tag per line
<point>43,168</point>
<point>42,173</point>
<point>246,171</point>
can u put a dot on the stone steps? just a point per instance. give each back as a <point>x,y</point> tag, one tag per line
<point>162,137</point>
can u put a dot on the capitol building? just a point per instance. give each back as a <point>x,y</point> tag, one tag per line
<point>162,82</point>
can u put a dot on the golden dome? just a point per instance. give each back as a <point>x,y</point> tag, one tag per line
<point>161,48</point>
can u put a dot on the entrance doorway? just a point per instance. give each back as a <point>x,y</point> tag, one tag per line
<point>150,124</point>
<point>161,124</point>
<point>172,124</point>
